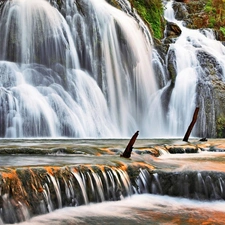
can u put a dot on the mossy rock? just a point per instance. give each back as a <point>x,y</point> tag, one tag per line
<point>220,126</point>
<point>176,150</point>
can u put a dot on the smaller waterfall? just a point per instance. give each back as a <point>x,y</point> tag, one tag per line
<point>191,54</point>
<point>26,192</point>
<point>30,191</point>
<point>169,12</point>
<point>183,98</point>
<point>189,184</point>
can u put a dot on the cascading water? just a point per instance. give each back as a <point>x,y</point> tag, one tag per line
<point>183,98</point>
<point>192,53</point>
<point>55,176</point>
<point>195,185</point>
<point>34,191</point>
<point>83,70</point>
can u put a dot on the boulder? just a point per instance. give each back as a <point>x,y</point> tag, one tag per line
<point>172,30</point>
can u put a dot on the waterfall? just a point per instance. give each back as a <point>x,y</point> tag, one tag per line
<point>193,54</point>
<point>27,192</point>
<point>88,69</point>
<point>74,69</point>
<point>183,98</point>
<point>30,191</point>
<point>205,185</point>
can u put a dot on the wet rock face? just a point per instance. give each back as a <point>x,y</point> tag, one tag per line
<point>172,30</point>
<point>180,10</point>
<point>189,184</point>
<point>209,64</point>
<point>213,92</point>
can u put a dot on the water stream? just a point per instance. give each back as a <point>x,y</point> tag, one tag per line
<point>86,70</point>
<point>85,181</point>
<point>139,209</point>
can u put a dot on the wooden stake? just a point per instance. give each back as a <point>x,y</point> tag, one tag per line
<point>191,125</point>
<point>128,150</point>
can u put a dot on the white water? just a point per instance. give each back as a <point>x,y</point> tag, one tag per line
<point>137,209</point>
<point>183,99</point>
<point>190,73</point>
<point>86,75</point>
<point>87,72</point>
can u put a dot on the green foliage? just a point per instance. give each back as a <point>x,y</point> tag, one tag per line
<point>220,127</point>
<point>208,9</point>
<point>222,29</point>
<point>208,6</point>
<point>212,22</point>
<point>151,11</point>
<point>215,11</point>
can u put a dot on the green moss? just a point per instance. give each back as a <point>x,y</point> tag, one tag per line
<point>208,7</point>
<point>212,22</point>
<point>222,29</point>
<point>151,12</point>
<point>220,127</point>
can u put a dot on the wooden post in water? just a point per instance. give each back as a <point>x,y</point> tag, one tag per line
<point>188,132</point>
<point>128,150</point>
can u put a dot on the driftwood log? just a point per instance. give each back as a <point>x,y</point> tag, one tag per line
<point>129,148</point>
<point>188,132</point>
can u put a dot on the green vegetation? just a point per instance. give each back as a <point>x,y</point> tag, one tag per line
<point>222,29</point>
<point>220,127</point>
<point>151,12</point>
<point>215,10</point>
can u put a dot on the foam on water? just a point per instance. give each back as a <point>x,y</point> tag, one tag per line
<point>137,209</point>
